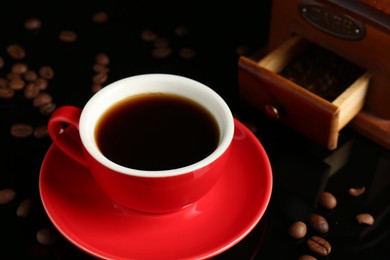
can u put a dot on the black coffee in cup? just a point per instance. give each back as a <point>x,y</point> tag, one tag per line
<point>156,131</point>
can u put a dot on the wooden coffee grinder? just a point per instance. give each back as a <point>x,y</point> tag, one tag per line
<point>357,31</point>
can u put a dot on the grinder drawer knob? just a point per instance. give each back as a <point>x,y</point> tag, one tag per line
<point>272,111</point>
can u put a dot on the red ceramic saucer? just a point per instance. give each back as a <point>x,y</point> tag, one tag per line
<point>90,220</point>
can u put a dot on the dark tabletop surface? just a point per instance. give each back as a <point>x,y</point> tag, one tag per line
<point>214,37</point>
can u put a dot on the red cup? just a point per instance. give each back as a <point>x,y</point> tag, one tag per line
<point>142,190</point>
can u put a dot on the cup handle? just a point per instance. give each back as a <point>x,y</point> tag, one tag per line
<point>67,138</point>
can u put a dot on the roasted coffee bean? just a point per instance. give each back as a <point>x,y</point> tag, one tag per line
<point>12,75</point>
<point>327,200</point>
<point>67,36</point>
<point>17,84</point>
<point>96,87</point>
<point>100,17</point>
<point>42,99</point>
<point>102,58</point>
<point>33,23</point>
<point>319,245</point>
<point>30,75</point>
<point>186,53</point>
<point>100,77</point>
<point>1,62</point>
<point>47,109</point>
<point>31,91</point>
<point>318,223</point>
<point>46,72</point>
<point>46,236</point>
<point>6,93</point>
<point>297,230</point>
<point>19,68</point>
<point>161,53</point>
<point>41,83</point>
<point>41,132</point>
<point>7,195</point>
<point>365,218</point>
<point>3,82</point>
<point>307,257</point>
<point>16,51</point>
<point>357,191</point>
<point>99,68</point>
<point>25,208</point>
<point>21,130</point>
<point>149,36</point>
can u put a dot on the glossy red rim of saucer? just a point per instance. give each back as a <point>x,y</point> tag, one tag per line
<point>83,214</point>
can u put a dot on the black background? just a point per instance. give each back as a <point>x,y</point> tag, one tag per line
<point>216,31</point>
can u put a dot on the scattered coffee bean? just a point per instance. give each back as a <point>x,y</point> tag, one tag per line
<point>7,195</point>
<point>327,200</point>
<point>41,83</point>
<point>149,36</point>
<point>161,53</point>
<point>67,36</point>
<point>19,68</point>
<point>47,109</point>
<point>30,75</point>
<point>25,208</point>
<point>41,132</point>
<point>33,23</point>
<point>297,230</point>
<point>101,71</point>
<point>16,51</point>
<point>42,99</point>
<point>46,72</point>
<point>31,91</point>
<point>46,236</point>
<point>102,58</point>
<point>365,218</point>
<point>99,68</point>
<point>186,53</point>
<point>319,245</point>
<point>12,75</point>
<point>6,93</point>
<point>162,45</point>
<point>100,78</point>
<point>319,223</point>
<point>100,17</point>
<point>16,84</point>
<point>2,62</point>
<point>357,191</point>
<point>96,87</point>
<point>3,82</point>
<point>21,130</point>
<point>307,257</point>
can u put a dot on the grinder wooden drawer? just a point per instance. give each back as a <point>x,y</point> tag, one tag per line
<point>262,86</point>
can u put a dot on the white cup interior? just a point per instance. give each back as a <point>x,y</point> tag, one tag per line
<point>155,83</point>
